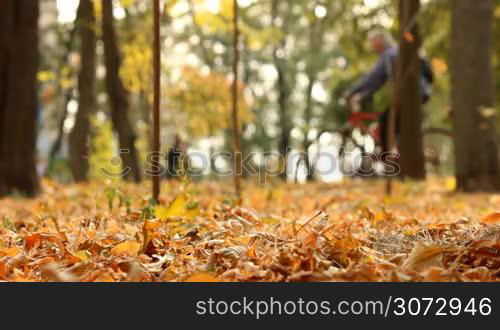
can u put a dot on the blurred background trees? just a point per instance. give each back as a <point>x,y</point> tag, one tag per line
<point>297,59</point>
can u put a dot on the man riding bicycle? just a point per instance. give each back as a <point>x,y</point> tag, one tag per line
<point>384,45</point>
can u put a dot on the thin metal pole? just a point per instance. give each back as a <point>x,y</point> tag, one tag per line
<point>396,102</point>
<point>236,119</point>
<point>157,96</point>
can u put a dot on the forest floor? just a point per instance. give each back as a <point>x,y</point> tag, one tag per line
<point>316,232</point>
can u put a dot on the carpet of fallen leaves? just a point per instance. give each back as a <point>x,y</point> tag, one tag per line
<point>318,232</point>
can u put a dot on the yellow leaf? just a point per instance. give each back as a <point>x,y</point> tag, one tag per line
<point>178,208</point>
<point>83,255</point>
<point>270,220</point>
<point>131,248</point>
<point>202,278</point>
<point>378,217</point>
<point>191,213</point>
<point>9,252</point>
<point>161,212</point>
<point>451,184</point>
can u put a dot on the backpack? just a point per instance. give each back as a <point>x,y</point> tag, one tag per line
<point>427,71</point>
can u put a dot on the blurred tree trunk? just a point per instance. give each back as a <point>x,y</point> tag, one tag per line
<point>476,151</point>
<point>18,96</point>
<point>408,77</point>
<point>235,105</point>
<point>79,138</point>
<point>284,143</point>
<point>306,143</point>
<point>118,95</point>
<point>283,88</point>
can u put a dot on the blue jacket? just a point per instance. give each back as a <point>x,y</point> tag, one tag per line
<point>382,72</point>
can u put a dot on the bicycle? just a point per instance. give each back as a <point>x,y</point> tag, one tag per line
<point>367,124</point>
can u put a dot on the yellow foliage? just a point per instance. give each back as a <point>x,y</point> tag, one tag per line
<point>206,100</point>
<point>221,22</point>
<point>98,8</point>
<point>136,70</point>
<point>127,3</point>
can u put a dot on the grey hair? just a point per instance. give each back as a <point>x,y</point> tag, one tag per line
<point>384,35</point>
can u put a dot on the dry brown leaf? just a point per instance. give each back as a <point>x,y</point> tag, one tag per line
<point>493,218</point>
<point>423,257</point>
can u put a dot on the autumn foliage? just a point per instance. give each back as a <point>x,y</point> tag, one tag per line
<point>344,232</point>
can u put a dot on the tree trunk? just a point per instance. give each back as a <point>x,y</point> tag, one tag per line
<point>18,96</point>
<point>306,143</point>
<point>410,100</point>
<point>79,138</point>
<point>285,122</point>
<point>476,150</point>
<point>155,176</point>
<point>118,95</point>
<point>284,93</point>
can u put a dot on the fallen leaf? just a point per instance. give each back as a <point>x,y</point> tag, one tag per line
<point>451,184</point>
<point>423,257</point>
<point>9,252</point>
<point>180,207</point>
<point>493,218</point>
<point>202,278</point>
<point>130,248</point>
<point>31,241</point>
<point>83,255</point>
